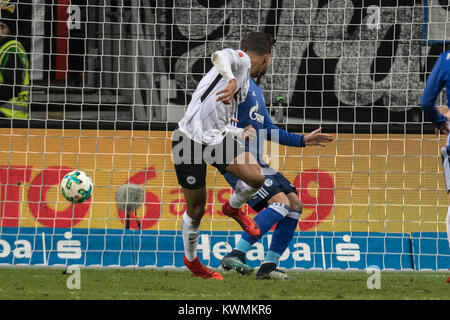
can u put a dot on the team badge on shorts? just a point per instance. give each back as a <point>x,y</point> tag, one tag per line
<point>191,180</point>
<point>268,182</point>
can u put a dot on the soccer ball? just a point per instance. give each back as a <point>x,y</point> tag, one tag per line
<point>76,186</point>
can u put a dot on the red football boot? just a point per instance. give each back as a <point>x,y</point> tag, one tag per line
<point>198,269</point>
<point>448,280</point>
<point>247,223</point>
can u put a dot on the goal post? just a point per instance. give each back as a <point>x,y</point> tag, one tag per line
<point>109,80</point>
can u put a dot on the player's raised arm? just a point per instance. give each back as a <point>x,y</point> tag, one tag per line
<point>225,61</point>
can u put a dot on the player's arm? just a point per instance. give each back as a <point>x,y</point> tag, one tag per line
<point>247,133</point>
<point>316,138</point>
<point>435,83</point>
<point>225,61</point>
<point>285,138</point>
<point>290,139</point>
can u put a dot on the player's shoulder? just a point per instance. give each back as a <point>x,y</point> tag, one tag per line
<point>242,54</point>
<point>445,56</point>
<point>238,54</point>
<point>444,61</point>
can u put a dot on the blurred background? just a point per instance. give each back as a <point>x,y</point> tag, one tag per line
<point>349,65</point>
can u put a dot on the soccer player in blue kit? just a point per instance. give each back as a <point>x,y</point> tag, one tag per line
<point>438,79</point>
<point>277,189</point>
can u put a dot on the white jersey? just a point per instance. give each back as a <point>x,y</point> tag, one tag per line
<point>206,120</point>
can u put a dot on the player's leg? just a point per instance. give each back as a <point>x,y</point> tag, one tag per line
<point>285,229</point>
<point>251,176</point>
<point>250,179</point>
<point>447,221</point>
<point>282,236</point>
<point>266,219</point>
<point>247,169</point>
<point>190,229</point>
<point>283,233</point>
<point>190,225</point>
<point>235,160</point>
<point>272,196</point>
<point>191,176</point>
<point>242,193</point>
<point>276,210</point>
<point>445,154</point>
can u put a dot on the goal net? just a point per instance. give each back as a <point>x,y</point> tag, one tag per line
<point>103,84</point>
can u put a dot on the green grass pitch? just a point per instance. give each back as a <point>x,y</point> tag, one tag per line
<point>32,283</point>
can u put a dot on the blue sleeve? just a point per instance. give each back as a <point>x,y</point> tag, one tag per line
<point>286,138</point>
<point>435,83</point>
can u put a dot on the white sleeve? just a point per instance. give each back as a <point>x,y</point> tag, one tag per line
<point>235,131</point>
<point>228,60</point>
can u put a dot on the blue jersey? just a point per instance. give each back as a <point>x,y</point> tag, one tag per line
<point>253,111</point>
<point>439,77</point>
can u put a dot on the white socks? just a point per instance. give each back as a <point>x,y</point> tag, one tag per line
<point>241,195</point>
<point>447,220</point>
<point>190,229</point>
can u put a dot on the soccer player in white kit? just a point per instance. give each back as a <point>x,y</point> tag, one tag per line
<point>205,136</point>
<point>438,79</point>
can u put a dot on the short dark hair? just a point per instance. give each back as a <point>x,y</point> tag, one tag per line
<point>258,42</point>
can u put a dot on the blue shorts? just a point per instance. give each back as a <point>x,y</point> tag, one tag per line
<point>273,184</point>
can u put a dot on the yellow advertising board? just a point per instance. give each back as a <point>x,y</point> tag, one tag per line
<point>360,182</point>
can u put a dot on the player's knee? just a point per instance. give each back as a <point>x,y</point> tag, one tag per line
<point>296,204</point>
<point>196,212</point>
<point>280,198</point>
<point>256,181</point>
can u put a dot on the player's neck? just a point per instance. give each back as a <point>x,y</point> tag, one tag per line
<point>255,61</point>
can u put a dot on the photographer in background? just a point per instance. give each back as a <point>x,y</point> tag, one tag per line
<point>14,68</point>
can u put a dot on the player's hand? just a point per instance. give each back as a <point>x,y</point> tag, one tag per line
<point>249,133</point>
<point>316,138</point>
<point>444,111</point>
<point>227,93</point>
<point>445,129</point>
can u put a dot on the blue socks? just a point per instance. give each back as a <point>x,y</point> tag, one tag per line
<point>266,219</point>
<point>282,235</point>
<point>272,257</point>
<point>243,245</point>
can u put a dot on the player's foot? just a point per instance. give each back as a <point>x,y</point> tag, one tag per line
<point>236,260</point>
<point>269,270</point>
<point>448,280</point>
<point>247,223</point>
<point>198,269</point>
